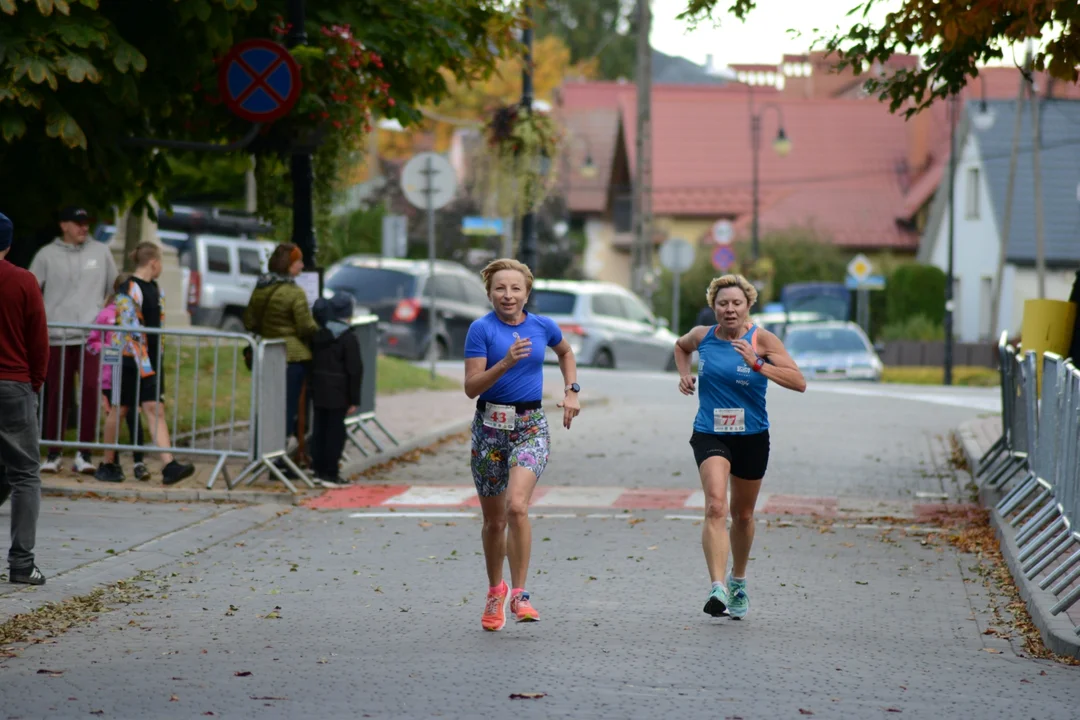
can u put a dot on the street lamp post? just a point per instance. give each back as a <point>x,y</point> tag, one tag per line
<point>949,302</point>
<point>781,145</point>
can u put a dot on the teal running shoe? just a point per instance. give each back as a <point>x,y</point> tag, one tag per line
<point>739,604</point>
<point>717,603</point>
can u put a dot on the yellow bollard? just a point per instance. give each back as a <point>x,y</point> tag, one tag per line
<point>1047,327</point>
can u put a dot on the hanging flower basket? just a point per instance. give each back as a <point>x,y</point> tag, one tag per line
<point>517,165</point>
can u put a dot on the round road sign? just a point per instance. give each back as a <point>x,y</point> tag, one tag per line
<point>722,232</point>
<point>427,174</point>
<point>677,255</point>
<point>259,80</point>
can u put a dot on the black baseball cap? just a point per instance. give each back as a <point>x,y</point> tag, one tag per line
<point>74,213</point>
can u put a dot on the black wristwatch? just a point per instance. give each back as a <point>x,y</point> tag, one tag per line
<point>572,386</point>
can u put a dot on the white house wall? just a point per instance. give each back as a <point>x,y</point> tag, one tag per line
<point>976,244</point>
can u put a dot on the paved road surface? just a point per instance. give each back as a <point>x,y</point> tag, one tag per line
<point>363,613</point>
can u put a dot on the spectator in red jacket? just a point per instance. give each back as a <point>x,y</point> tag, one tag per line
<point>24,360</point>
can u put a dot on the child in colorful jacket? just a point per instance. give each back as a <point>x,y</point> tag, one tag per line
<point>96,340</point>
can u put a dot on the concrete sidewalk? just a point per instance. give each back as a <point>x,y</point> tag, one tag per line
<point>1059,632</point>
<point>84,544</point>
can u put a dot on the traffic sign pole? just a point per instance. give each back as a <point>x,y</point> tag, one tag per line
<point>676,283</point>
<point>303,175</point>
<point>429,192</point>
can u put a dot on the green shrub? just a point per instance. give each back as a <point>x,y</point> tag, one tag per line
<point>913,290</point>
<point>919,328</point>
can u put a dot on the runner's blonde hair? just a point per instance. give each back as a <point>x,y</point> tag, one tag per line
<point>488,273</point>
<point>726,281</point>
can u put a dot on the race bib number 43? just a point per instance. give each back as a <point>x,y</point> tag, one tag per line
<point>729,420</point>
<point>500,417</point>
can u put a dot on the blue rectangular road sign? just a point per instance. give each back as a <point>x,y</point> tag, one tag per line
<point>874,282</point>
<point>482,226</point>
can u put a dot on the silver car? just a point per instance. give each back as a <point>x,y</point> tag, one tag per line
<point>606,325</point>
<point>833,351</point>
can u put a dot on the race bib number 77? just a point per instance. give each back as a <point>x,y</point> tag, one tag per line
<point>729,420</point>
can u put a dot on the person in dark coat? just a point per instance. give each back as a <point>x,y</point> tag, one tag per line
<point>337,372</point>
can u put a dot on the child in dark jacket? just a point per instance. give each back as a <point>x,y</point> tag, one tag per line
<point>337,371</point>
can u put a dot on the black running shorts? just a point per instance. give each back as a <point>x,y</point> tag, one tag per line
<point>748,454</point>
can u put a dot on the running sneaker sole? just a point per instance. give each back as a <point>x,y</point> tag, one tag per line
<point>528,619</point>
<point>715,607</point>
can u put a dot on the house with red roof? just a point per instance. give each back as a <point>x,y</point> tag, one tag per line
<point>857,175</point>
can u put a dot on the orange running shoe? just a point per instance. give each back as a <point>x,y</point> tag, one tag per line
<point>494,617</point>
<point>522,608</point>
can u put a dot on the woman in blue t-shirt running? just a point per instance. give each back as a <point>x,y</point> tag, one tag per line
<point>736,360</point>
<point>504,368</point>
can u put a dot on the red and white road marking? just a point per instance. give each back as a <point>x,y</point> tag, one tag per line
<point>459,497</point>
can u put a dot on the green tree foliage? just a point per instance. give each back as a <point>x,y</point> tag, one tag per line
<point>915,290</point>
<point>954,37</point>
<point>82,76</point>
<point>600,30</point>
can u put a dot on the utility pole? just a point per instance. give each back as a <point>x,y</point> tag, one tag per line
<point>300,168</point>
<point>1006,213</point>
<point>641,254</point>
<point>528,220</point>
<point>1040,240</point>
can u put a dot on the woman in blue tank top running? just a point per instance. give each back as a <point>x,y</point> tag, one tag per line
<point>736,360</point>
<point>504,370</point>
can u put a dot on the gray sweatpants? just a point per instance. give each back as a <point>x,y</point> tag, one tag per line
<point>20,463</point>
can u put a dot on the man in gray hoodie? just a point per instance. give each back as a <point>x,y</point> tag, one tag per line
<point>75,275</point>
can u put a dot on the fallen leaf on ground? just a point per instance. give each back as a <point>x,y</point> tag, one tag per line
<point>635,521</point>
<point>50,673</point>
<point>424,524</point>
<point>267,697</point>
<point>861,582</point>
<point>174,698</point>
<point>242,673</point>
<point>893,710</point>
<point>805,712</point>
<point>1025,680</point>
<point>992,650</point>
<point>527,696</point>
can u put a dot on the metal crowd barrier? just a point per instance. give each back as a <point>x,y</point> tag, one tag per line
<point>367,330</point>
<point>218,409</point>
<point>200,378</point>
<point>1041,438</point>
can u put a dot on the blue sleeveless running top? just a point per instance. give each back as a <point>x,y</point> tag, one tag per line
<point>726,386</point>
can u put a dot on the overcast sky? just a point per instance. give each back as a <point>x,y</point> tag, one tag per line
<point>764,37</point>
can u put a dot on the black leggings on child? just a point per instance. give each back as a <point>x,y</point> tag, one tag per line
<point>327,442</point>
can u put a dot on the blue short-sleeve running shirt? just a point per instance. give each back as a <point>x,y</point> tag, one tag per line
<point>491,338</point>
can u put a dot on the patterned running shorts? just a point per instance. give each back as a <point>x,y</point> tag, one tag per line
<point>494,452</point>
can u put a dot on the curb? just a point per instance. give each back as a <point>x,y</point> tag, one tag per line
<point>184,495</point>
<point>1057,631</point>
<point>147,556</point>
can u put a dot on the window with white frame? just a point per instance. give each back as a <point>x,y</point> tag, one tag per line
<point>971,204</point>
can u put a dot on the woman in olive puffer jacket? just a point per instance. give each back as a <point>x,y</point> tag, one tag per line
<point>278,309</point>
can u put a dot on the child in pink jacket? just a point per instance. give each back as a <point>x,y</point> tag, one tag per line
<point>94,343</point>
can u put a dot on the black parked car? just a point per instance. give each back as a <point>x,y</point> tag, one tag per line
<point>397,292</point>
